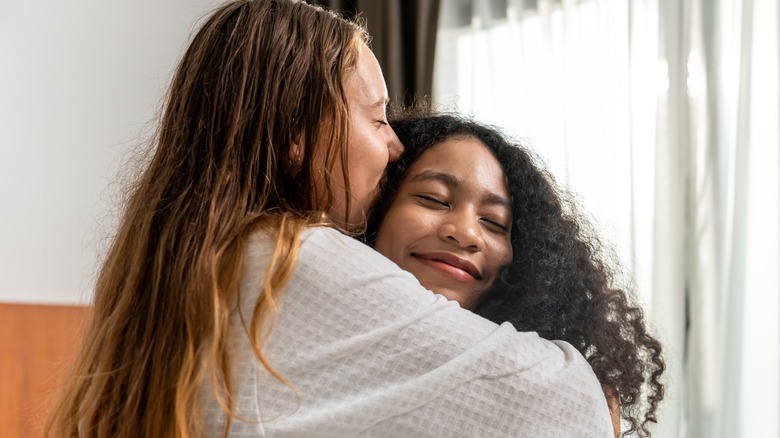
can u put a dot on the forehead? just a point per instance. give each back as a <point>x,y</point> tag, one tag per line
<point>364,85</point>
<point>468,160</point>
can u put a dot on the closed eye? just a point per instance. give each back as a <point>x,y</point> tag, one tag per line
<point>431,201</point>
<point>495,226</point>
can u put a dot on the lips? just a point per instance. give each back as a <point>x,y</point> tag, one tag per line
<point>456,266</point>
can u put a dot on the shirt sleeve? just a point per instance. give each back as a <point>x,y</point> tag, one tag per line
<point>369,352</point>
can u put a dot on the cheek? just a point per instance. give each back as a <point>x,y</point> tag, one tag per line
<point>385,238</point>
<point>386,230</point>
<point>374,151</point>
<point>393,234</point>
<point>504,254</point>
<point>366,161</point>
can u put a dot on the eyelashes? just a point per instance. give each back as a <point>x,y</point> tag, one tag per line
<point>426,199</point>
<point>498,226</point>
<point>440,204</point>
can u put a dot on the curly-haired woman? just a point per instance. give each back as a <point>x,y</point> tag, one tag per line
<point>475,219</point>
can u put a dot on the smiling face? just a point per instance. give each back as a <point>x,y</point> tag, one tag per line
<point>451,220</point>
<point>371,142</point>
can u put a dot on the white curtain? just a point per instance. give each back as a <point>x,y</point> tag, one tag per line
<point>663,116</point>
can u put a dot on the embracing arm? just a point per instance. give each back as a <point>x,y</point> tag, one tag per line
<point>371,353</point>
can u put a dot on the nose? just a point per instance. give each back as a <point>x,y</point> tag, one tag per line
<point>464,230</point>
<point>395,147</point>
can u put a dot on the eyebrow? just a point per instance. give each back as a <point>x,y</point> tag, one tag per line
<point>453,181</point>
<point>382,102</point>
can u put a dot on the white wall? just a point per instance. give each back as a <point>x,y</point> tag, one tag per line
<point>80,84</point>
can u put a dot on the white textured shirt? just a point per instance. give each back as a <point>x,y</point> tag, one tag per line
<point>371,353</point>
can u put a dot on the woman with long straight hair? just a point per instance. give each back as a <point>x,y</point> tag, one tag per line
<point>232,301</point>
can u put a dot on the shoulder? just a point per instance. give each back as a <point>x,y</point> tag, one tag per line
<point>338,270</point>
<point>328,237</point>
<point>321,243</point>
<point>331,240</point>
<point>356,275</point>
<point>331,246</point>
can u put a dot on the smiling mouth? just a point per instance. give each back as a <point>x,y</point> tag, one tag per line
<point>454,266</point>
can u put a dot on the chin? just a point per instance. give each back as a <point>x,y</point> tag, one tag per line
<point>450,296</point>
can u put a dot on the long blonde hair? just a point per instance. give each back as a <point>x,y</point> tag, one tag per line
<point>258,77</point>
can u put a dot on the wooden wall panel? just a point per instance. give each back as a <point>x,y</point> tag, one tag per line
<point>37,345</point>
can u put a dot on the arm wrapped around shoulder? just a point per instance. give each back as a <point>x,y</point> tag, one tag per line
<point>371,353</point>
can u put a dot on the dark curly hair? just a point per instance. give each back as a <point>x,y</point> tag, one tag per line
<point>559,283</point>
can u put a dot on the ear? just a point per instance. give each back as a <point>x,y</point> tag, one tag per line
<point>294,157</point>
<point>295,153</point>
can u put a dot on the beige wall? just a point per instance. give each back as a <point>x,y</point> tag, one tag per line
<point>80,82</point>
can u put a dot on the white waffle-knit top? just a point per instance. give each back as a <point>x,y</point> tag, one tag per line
<point>371,353</point>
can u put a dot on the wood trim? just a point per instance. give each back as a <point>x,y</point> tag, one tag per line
<point>37,346</point>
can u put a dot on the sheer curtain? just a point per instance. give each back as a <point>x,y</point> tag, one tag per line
<point>663,116</point>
